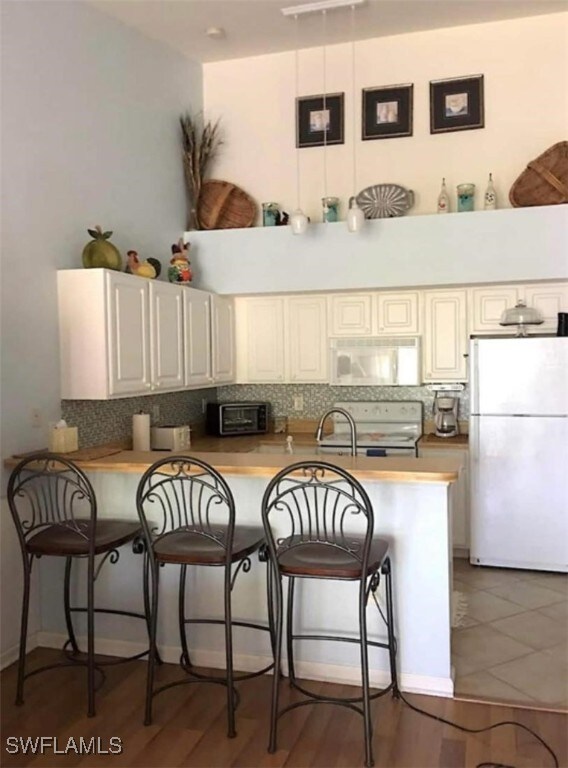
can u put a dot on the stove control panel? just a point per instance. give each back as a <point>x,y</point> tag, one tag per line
<point>381,411</point>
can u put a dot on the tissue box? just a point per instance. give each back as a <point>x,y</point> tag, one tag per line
<point>63,440</point>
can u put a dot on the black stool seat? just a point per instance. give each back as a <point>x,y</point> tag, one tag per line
<point>65,540</point>
<point>190,545</point>
<point>328,560</point>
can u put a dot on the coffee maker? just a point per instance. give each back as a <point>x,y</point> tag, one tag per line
<point>446,415</point>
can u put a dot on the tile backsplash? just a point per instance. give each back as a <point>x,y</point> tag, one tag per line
<point>105,421</point>
<point>318,397</point>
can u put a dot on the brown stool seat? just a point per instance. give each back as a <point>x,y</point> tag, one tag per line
<point>64,541</point>
<point>190,546</point>
<point>324,559</point>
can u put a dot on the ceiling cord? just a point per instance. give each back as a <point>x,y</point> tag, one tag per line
<point>324,14</point>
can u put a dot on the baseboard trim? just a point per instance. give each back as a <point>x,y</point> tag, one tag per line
<point>11,655</point>
<point>310,670</point>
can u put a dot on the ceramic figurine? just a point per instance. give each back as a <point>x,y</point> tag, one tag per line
<point>149,268</point>
<point>180,269</point>
<point>100,252</point>
<point>490,197</point>
<point>443,199</point>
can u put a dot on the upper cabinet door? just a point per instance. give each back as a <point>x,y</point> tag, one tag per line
<point>260,339</point>
<point>197,337</point>
<point>487,304</point>
<point>445,336</point>
<point>549,299</point>
<point>166,336</point>
<point>350,315</point>
<point>128,334</point>
<point>308,339</point>
<point>396,313</point>
<point>223,339</point>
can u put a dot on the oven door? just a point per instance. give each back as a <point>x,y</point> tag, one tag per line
<point>242,419</point>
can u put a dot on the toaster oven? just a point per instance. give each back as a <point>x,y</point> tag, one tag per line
<point>225,419</point>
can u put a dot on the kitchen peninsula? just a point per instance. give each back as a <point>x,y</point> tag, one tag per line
<point>412,499</point>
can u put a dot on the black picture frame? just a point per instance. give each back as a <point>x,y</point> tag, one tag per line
<point>387,112</point>
<point>309,120</point>
<point>457,104</point>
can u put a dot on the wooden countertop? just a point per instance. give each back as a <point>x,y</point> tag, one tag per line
<point>399,469</point>
<point>432,441</point>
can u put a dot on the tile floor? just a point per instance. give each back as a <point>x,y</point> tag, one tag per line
<point>513,642</point>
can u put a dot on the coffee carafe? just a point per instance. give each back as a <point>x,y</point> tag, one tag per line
<point>446,416</point>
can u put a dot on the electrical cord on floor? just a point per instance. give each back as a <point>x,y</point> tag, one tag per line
<point>464,727</point>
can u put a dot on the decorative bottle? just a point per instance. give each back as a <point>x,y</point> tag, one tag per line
<point>443,199</point>
<point>490,198</point>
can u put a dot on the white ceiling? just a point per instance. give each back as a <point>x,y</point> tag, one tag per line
<point>255,27</point>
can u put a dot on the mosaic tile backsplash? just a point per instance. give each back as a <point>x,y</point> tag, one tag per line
<point>319,397</point>
<point>105,421</point>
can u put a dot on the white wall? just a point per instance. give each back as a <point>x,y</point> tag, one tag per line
<point>89,136</point>
<point>525,63</point>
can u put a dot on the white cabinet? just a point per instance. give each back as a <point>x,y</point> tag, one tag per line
<point>396,313</point>
<point>166,336</point>
<point>307,342</point>
<point>550,299</point>
<point>122,335</point>
<point>222,339</point>
<point>460,521</point>
<point>197,337</point>
<point>487,304</point>
<point>445,336</point>
<point>260,339</point>
<point>282,339</point>
<point>350,314</point>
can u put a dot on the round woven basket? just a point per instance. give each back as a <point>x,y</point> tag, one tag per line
<point>545,180</point>
<point>223,205</point>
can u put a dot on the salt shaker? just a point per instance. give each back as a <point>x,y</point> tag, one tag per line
<point>443,199</point>
<point>490,197</point>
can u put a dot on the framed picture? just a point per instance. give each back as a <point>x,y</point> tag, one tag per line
<point>318,118</point>
<point>456,105</point>
<point>387,112</point>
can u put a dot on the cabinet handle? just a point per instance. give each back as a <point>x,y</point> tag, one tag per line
<point>466,354</point>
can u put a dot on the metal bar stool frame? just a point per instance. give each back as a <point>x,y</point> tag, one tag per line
<point>184,491</point>
<point>43,493</point>
<point>315,498</point>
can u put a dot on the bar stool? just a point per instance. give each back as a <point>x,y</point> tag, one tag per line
<point>54,509</point>
<point>187,512</point>
<point>306,509</point>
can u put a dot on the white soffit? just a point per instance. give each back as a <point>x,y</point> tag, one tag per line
<point>256,27</point>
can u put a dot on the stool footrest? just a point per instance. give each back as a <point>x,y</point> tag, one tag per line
<point>314,697</point>
<point>335,639</point>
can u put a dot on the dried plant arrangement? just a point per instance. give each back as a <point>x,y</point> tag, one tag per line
<point>200,142</point>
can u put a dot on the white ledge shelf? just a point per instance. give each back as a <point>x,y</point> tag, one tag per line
<point>508,245</point>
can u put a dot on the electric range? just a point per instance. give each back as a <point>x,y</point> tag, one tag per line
<point>384,428</point>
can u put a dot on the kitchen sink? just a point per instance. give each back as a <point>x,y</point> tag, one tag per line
<point>277,448</point>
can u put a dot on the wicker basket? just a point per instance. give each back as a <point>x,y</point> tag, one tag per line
<point>223,205</point>
<point>545,180</point>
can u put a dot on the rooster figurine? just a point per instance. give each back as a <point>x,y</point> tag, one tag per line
<point>142,269</point>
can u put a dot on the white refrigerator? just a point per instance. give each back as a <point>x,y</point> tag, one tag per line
<point>519,452</point>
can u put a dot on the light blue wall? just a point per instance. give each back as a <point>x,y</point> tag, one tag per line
<point>89,136</point>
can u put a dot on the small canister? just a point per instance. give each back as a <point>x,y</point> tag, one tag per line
<point>562,329</point>
<point>330,208</point>
<point>466,194</point>
<point>270,214</point>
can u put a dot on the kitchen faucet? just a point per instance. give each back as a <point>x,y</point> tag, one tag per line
<point>352,427</point>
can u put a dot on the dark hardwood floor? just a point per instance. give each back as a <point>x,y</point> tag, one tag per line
<point>189,726</point>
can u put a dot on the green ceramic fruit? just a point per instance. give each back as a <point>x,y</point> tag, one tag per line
<point>100,253</point>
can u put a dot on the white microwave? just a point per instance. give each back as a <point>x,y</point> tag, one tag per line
<point>375,361</point>
<point>170,438</point>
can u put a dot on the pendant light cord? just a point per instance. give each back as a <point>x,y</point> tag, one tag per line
<point>324,13</point>
<point>353,97</point>
<point>297,87</point>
